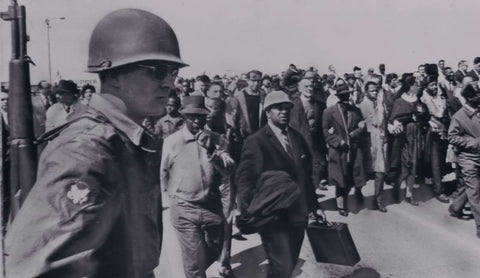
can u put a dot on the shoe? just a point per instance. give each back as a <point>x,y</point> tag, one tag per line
<point>343,212</point>
<point>455,213</point>
<point>411,201</point>
<point>442,198</point>
<point>381,207</point>
<point>238,236</point>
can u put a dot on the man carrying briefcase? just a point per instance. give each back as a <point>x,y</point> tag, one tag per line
<point>278,147</point>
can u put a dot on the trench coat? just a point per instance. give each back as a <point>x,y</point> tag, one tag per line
<point>336,129</point>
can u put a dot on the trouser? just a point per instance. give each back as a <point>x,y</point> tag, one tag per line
<point>438,153</point>
<point>460,182</point>
<point>282,243</point>
<point>341,195</point>
<point>199,230</point>
<point>470,169</point>
<point>379,180</point>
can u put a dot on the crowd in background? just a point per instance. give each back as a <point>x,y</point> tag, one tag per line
<point>386,127</point>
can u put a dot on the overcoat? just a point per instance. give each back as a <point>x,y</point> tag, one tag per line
<point>263,152</point>
<point>335,129</point>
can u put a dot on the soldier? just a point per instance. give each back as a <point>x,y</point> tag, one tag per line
<point>94,209</point>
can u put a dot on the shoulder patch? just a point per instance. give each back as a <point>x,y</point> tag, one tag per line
<point>78,193</point>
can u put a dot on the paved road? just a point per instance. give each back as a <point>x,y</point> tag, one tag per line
<point>417,242</point>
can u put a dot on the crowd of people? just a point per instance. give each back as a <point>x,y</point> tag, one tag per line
<point>250,150</point>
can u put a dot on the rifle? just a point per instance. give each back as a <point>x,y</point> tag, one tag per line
<point>23,156</point>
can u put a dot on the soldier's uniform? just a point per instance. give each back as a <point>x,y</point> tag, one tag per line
<point>93,209</point>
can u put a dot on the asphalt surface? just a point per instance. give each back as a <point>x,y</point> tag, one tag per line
<point>407,241</point>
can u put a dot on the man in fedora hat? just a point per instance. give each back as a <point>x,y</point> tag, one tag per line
<point>279,147</point>
<point>68,108</point>
<point>194,161</point>
<point>343,128</point>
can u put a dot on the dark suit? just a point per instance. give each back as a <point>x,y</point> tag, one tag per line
<point>458,76</point>
<point>345,166</point>
<point>474,75</point>
<point>262,152</point>
<point>312,133</point>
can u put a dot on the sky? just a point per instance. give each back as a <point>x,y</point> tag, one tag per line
<point>226,36</point>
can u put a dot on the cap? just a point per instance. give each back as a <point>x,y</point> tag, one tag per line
<point>276,97</point>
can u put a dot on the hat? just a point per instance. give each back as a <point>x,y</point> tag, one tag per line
<point>66,86</point>
<point>290,78</point>
<point>194,105</point>
<point>349,76</point>
<point>343,89</point>
<point>431,78</point>
<point>276,97</point>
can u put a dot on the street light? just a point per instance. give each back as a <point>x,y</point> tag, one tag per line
<point>47,21</point>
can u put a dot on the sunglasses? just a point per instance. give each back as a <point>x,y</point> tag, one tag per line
<point>160,72</point>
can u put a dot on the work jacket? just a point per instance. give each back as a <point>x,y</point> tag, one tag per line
<point>94,209</point>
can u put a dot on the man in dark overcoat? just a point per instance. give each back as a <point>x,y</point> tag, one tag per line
<point>279,147</point>
<point>344,130</point>
<point>306,117</point>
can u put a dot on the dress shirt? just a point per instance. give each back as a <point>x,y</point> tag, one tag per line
<point>282,136</point>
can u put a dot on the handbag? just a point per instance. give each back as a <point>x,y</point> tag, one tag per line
<point>332,243</point>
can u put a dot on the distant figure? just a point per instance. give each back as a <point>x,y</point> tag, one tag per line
<point>475,72</point>
<point>171,122</point>
<point>249,115</point>
<point>41,101</point>
<point>461,71</point>
<point>86,94</point>
<point>68,108</point>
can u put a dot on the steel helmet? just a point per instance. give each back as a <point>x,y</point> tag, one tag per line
<point>131,35</point>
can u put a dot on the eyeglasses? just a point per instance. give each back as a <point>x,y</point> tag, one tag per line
<point>160,72</point>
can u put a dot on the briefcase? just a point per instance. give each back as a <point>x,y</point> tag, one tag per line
<point>332,244</point>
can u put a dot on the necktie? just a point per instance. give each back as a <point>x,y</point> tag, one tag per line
<point>286,141</point>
